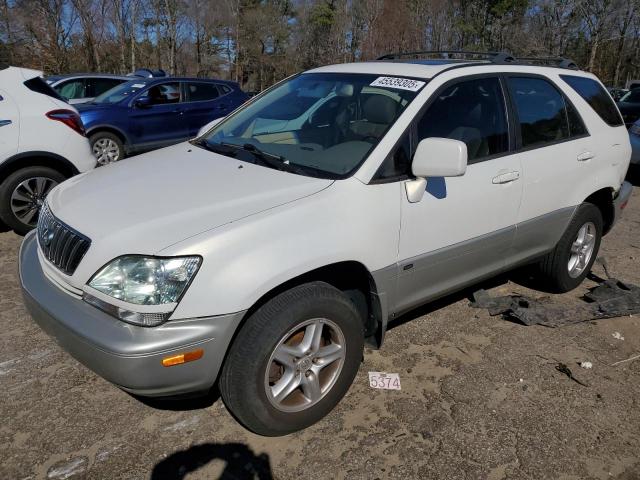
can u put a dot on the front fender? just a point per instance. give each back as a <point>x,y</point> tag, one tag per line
<point>244,260</point>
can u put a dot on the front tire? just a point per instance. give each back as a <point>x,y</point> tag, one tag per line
<point>22,195</point>
<point>567,265</point>
<point>293,360</point>
<point>106,147</point>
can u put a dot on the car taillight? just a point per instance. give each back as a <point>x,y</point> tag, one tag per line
<point>70,118</point>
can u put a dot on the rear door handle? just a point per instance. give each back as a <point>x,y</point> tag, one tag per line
<point>5,122</point>
<point>584,156</point>
<point>506,177</point>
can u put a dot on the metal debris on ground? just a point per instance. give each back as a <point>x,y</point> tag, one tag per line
<point>610,298</point>
<point>586,364</point>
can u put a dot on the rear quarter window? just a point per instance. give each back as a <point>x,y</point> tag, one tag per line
<point>597,97</point>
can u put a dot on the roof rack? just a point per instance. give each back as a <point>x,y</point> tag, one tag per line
<point>549,61</point>
<point>492,57</point>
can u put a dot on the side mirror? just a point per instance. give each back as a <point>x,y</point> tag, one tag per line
<point>144,102</point>
<point>435,157</point>
<point>209,126</point>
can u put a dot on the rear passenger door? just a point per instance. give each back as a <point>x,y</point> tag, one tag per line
<point>462,228</point>
<point>555,151</point>
<point>204,103</point>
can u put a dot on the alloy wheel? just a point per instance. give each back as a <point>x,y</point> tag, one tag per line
<point>28,196</point>
<point>106,151</point>
<point>582,249</point>
<point>305,365</point>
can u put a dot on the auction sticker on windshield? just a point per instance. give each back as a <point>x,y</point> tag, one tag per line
<point>399,83</point>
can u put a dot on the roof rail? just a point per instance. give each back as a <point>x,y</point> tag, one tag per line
<point>549,61</point>
<point>494,57</point>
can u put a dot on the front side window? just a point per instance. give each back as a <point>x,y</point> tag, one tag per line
<point>163,94</point>
<point>322,124</point>
<point>631,97</point>
<point>541,111</point>
<point>198,92</point>
<point>597,97</point>
<point>122,91</point>
<point>472,111</point>
<point>71,89</point>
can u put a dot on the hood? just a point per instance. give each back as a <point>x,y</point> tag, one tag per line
<point>146,203</point>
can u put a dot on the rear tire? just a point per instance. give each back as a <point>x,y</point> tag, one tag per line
<point>275,353</point>
<point>567,265</point>
<point>22,195</point>
<point>106,147</point>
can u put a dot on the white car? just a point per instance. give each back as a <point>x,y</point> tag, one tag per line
<point>42,143</point>
<point>264,258</point>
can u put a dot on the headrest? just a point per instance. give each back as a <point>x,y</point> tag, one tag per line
<point>380,109</point>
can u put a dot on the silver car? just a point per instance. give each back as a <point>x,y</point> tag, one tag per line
<point>84,87</point>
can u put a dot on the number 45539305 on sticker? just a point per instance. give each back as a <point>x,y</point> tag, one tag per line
<point>386,381</point>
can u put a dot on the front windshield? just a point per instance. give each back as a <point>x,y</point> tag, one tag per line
<point>632,97</point>
<point>124,90</point>
<point>325,123</point>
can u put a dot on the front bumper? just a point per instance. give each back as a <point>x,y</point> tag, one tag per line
<point>621,200</point>
<point>126,355</point>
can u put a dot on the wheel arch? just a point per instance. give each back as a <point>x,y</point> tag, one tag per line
<point>37,159</point>
<point>110,129</point>
<point>603,199</point>
<point>352,278</point>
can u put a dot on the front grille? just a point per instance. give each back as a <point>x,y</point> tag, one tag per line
<point>60,244</point>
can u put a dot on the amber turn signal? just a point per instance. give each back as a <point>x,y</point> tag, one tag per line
<point>182,358</point>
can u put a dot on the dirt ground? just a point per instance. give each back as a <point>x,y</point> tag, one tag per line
<point>480,399</point>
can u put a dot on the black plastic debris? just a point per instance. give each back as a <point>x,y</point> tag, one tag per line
<point>562,368</point>
<point>611,298</point>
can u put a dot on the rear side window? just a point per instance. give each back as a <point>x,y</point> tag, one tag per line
<point>541,111</point>
<point>224,89</point>
<point>597,97</point>
<point>71,89</point>
<point>38,85</point>
<point>198,92</point>
<point>472,111</point>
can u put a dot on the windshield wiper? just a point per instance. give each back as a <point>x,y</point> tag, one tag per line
<point>214,147</point>
<point>268,159</point>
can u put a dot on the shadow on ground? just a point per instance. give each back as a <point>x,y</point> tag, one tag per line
<point>240,462</point>
<point>182,403</point>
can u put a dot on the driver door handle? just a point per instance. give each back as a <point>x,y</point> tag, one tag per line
<point>506,177</point>
<point>584,156</point>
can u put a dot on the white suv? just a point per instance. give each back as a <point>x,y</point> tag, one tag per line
<point>263,254</point>
<point>42,143</point>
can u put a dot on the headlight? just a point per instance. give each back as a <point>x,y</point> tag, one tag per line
<point>635,129</point>
<point>145,281</point>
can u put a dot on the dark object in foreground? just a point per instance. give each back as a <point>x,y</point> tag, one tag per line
<point>562,368</point>
<point>611,298</point>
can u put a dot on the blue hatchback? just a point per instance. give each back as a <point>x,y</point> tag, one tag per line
<point>145,114</point>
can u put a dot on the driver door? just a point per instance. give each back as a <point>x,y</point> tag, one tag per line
<point>462,228</point>
<point>156,117</point>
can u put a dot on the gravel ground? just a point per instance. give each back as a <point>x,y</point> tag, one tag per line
<point>480,399</point>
